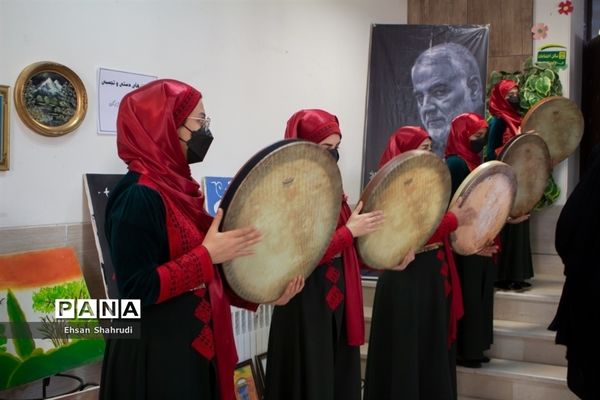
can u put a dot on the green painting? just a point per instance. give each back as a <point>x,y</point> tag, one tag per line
<point>33,344</point>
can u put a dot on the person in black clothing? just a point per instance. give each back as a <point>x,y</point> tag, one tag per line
<point>577,318</point>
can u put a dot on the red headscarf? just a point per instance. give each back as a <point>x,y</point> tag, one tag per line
<point>314,126</point>
<point>147,141</point>
<point>461,129</point>
<point>402,140</point>
<point>500,108</point>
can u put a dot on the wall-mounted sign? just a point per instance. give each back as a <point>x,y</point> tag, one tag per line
<point>112,86</point>
<point>553,53</point>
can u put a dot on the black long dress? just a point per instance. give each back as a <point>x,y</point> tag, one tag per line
<point>476,328</point>
<point>309,357</point>
<point>477,275</point>
<point>577,318</point>
<point>161,364</point>
<point>514,260</point>
<point>408,346</point>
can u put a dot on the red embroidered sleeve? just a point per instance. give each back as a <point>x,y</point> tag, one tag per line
<point>185,273</point>
<point>448,225</point>
<point>341,239</point>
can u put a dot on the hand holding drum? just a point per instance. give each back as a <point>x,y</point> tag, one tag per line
<point>362,224</point>
<point>464,215</point>
<point>225,246</point>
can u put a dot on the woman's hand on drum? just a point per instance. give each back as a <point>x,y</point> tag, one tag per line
<point>407,260</point>
<point>488,250</point>
<point>465,215</point>
<point>225,246</point>
<point>518,220</point>
<point>362,224</point>
<point>293,288</point>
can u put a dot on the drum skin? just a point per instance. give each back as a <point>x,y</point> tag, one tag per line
<point>291,192</point>
<point>490,190</point>
<point>412,190</point>
<point>529,157</point>
<point>559,122</point>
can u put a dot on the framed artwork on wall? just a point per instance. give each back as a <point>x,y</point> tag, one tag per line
<point>246,381</point>
<point>50,98</point>
<point>4,129</point>
<point>261,365</point>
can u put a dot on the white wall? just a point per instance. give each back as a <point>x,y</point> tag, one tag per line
<point>255,61</point>
<point>565,30</point>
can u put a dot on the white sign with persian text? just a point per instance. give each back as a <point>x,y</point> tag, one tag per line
<point>112,86</point>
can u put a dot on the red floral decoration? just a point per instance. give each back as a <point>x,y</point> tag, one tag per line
<point>565,7</point>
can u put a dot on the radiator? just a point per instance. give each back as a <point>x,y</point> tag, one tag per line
<point>251,330</point>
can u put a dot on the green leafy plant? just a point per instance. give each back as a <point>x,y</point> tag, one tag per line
<point>551,194</point>
<point>3,339</point>
<point>22,337</point>
<point>54,330</point>
<point>43,300</point>
<point>31,363</point>
<point>536,81</point>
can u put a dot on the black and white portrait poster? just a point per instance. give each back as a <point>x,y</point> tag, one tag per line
<point>422,75</point>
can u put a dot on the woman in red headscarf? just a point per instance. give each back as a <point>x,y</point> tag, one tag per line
<point>163,247</point>
<point>466,140</point>
<point>314,342</point>
<point>515,264</point>
<point>477,272</point>
<point>416,310</point>
<point>506,121</point>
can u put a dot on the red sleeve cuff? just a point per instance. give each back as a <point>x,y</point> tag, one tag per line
<point>345,236</point>
<point>185,273</point>
<point>341,239</point>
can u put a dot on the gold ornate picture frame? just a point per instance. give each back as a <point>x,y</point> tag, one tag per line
<point>50,98</point>
<point>4,129</point>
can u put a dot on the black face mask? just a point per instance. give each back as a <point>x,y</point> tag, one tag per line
<point>477,145</point>
<point>334,153</point>
<point>198,144</point>
<point>514,101</point>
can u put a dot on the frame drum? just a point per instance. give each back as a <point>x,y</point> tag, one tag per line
<point>529,157</point>
<point>291,192</point>
<point>559,122</point>
<point>412,190</point>
<point>490,189</point>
